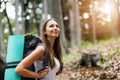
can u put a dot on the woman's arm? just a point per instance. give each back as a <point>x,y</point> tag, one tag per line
<point>22,70</point>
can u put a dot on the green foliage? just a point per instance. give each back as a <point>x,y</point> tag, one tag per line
<point>33,28</point>
<point>86,44</point>
<point>104,75</point>
<point>117,51</point>
<point>29,34</point>
<point>70,57</point>
<point>102,62</point>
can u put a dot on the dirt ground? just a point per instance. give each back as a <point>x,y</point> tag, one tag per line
<point>109,72</point>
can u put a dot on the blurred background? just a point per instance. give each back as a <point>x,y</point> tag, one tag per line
<point>81,22</point>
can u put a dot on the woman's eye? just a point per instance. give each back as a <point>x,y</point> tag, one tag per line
<point>57,26</point>
<point>54,26</point>
<point>51,25</point>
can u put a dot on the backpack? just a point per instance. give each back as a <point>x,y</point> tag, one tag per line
<point>19,47</point>
<point>31,42</point>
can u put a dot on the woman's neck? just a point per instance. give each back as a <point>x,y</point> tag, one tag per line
<point>51,41</point>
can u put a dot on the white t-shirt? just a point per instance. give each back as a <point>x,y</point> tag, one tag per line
<point>52,73</point>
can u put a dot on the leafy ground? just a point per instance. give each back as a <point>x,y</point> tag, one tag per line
<point>109,70</point>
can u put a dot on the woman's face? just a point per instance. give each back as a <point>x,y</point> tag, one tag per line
<point>52,29</point>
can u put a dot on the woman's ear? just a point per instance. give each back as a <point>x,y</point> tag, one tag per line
<point>45,34</point>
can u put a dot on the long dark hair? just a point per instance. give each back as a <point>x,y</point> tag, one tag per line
<point>56,46</point>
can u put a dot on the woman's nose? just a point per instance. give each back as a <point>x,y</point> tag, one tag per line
<point>55,27</point>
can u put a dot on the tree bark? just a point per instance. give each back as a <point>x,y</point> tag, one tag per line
<point>75,22</point>
<point>16,16</point>
<point>2,46</point>
<point>26,21</point>
<point>45,9</point>
<point>93,21</point>
<point>114,19</point>
<point>2,69</point>
<point>118,12</point>
<point>90,59</point>
<point>35,15</point>
<point>65,11</point>
<point>8,20</point>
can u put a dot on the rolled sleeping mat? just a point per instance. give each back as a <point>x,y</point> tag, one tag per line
<point>14,56</point>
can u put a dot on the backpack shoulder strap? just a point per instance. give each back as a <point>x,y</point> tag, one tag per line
<point>46,58</point>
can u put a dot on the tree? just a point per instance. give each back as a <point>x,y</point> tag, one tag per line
<point>37,23</point>
<point>66,20</point>
<point>25,15</point>
<point>118,12</point>
<point>75,28</point>
<point>8,20</point>
<point>93,20</point>
<point>31,14</point>
<point>114,19</point>
<point>2,47</point>
<point>16,16</point>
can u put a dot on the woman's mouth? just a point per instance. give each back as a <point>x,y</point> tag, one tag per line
<point>56,32</point>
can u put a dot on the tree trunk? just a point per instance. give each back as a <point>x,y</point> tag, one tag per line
<point>35,15</point>
<point>2,46</point>
<point>75,22</point>
<point>16,16</point>
<point>118,12</point>
<point>27,26</point>
<point>8,20</point>
<point>1,30</point>
<point>45,9</point>
<point>26,21</point>
<point>2,69</point>
<point>78,27</point>
<point>2,53</point>
<point>114,19</point>
<point>90,59</point>
<point>65,11</point>
<point>93,21</point>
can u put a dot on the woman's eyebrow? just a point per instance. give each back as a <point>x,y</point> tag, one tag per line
<point>53,24</point>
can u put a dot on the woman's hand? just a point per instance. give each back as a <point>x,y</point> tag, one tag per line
<point>44,72</point>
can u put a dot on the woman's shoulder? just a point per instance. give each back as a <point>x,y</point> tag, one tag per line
<point>40,48</point>
<point>41,44</point>
<point>38,52</point>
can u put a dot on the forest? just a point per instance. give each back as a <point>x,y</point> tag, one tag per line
<point>87,27</point>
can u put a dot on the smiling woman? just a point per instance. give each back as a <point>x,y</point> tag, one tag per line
<point>50,34</point>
